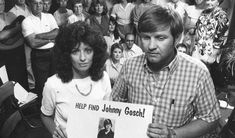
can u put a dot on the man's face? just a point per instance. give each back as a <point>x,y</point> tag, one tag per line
<point>130,41</point>
<point>20,2</point>
<point>36,6</point>
<point>174,1</point>
<point>182,49</point>
<point>158,46</point>
<point>211,4</point>
<point>46,5</point>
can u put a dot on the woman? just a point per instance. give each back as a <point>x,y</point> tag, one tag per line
<point>122,13</point>
<point>113,35</point>
<point>80,54</point>
<point>61,15</point>
<point>99,19</point>
<point>79,13</point>
<point>211,29</point>
<point>12,46</point>
<point>107,131</point>
<point>115,62</point>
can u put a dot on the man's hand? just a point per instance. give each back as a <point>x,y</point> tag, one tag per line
<point>156,130</point>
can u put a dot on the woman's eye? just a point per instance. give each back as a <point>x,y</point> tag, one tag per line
<point>88,51</point>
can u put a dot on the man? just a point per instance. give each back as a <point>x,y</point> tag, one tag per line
<point>179,87</point>
<point>130,48</point>
<point>40,30</point>
<point>46,5</point>
<point>21,8</point>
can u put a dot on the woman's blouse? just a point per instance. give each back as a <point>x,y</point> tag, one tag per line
<point>62,18</point>
<point>113,69</point>
<point>101,27</point>
<point>74,18</point>
<point>57,96</point>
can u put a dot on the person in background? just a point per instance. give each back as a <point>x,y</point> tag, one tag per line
<point>113,35</point>
<point>122,13</point>
<point>114,63</point>
<point>61,15</point>
<point>79,13</point>
<point>12,46</point>
<point>130,48</point>
<point>40,30</point>
<point>46,5</point>
<point>21,8</point>
<point>98,18</point>
<point>211,31</point>
<point>107,131</point>
<point>178,86</point>
<point>227,67</point>
<point>180,7</point>
<point>137,12</point>
<point>181,47</point>
<point>80,54</point>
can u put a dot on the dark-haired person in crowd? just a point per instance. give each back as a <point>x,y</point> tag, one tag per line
<point>80,54</point>
<point>114,63</point>
<point>107,132</point>
<point>181,47</point>
<point>62,13</point>
<point>40,30</point>
<point>79,13</point>
<point>122,13</point>
<point>211,29</point>
<point>178,86</point>
<point>227,67</point>
<point>98,18</point>
<point>12,46</point>
<point>113,35</point>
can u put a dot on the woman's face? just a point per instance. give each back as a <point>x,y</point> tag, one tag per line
<point>111,26</point>
<point>117,54</point>
<point>81,58</point>
<point>2,6</point>
<point>198,2</point>
<point>99,8</point>
<point>108,127</point>
<point>78,8</point>
<point>211,4</point>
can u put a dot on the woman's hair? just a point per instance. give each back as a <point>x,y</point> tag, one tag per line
<point>107,121</point>
<point>159,18</point>
<point>114,46</point>
<point>92,10</point>
<point>115,32</point>
<point>78,2</point>
<point>67,40</point>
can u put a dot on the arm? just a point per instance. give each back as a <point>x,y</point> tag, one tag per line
<point>35,42</point>
<point>48,35</point>
<point>17,43</point>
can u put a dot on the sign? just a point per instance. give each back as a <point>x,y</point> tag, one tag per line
<point>88,118</point>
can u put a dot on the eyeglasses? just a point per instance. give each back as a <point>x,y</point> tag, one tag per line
<point>130,40</point>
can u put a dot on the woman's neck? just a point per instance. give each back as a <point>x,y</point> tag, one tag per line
<point>80,74</point>
<point>62,10</point>
<point>124,3</point>
<point>115,61</point>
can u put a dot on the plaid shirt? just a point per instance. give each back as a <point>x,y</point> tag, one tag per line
<point>179,92</point>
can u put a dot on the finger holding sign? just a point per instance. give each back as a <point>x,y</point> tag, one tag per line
<point>156,130</point>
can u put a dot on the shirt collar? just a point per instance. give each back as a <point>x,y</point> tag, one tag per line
<point>171,67</point>
<point>18,7</point>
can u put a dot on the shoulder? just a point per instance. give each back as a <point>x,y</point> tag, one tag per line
<point>134,62</point>
<point>54,81</point>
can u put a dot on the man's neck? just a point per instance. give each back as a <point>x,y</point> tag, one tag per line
<point>38,15</point>
<point>22,6</point>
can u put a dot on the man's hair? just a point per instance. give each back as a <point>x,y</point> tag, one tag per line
<point>67,40</point>
<point>77,2</point>
<point>159,18</point>
<point>129,34</point>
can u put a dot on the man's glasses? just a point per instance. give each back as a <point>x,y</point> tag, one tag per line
<point>129,40</point>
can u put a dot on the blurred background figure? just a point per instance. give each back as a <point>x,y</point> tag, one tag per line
<point>61,15</point>
<point>46,5</point>
<point>122,13</point>
<point>79,13</point>
<point>113,35</point>
<point>183,48</point>
<point>98,18</point>
<point>115,62</point>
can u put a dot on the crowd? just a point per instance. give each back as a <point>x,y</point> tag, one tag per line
<point>172,54</point>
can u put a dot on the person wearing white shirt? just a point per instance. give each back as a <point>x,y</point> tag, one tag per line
<point>130,48</point>
<point>40,30</point>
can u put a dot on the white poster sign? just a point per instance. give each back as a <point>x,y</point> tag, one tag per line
<point>88,119</point>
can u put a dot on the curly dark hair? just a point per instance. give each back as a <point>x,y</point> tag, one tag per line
<point>92,10</point>
<point>67,39</point>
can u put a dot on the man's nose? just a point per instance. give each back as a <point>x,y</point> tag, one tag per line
<point>152,44</point>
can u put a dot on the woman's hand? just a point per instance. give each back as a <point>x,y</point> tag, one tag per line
<point>59,132</point>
